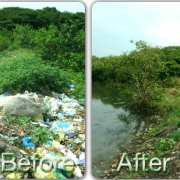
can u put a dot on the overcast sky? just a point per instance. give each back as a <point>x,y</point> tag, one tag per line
<point>61,6</point>
<point>114,24</point>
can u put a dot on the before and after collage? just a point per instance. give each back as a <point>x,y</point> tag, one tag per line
<point>97,99</point>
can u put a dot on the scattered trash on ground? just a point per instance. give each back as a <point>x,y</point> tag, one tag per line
<point>54,129</point>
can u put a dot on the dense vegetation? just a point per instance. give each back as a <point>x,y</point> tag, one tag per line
<point>142,73</point>
<point>49,46</point>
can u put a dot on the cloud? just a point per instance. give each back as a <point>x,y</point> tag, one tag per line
<point>114,24</point>
<point>166,31</point>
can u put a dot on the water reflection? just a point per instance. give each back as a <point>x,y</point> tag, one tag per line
<point>112,127</point>
<point>108,96</point>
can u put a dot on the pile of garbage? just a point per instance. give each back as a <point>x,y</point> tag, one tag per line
<point>64,156</point>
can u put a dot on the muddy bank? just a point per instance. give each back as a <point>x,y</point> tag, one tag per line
<point>144,144</point>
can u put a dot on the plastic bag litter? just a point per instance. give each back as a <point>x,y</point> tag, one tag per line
<point>58,96</point>
<point>44,124</point>
<point>54,157</point>
<point>40,174</point>
<point>56,145</point>
<point>71,134</point>
<point>77,172</point>
<point>82,136</point>
<point>2,95</point>
<point>78,120</point>
<point>63,125</point>
<point>22,105</point>
<point>77,141</point>
<point>55,105</point>
<point>59,175</point>
<point>55,126</point>
<point>51,104</point>
<point>6,93</point>
<point>82,158</point>
<point>66,109</point>
<point>71,86</point>
<point>38,118</point>
<point>66,100</point>
<point>72,156</point>
<point>61,134</point>
<point>60,116</point>
<point>13,176</point>
<point>27,142</point>
<point>70,105</point>
<point>83,145</point>
<point>66,168</point>
<point>69,128</point>
<point>69,114</point>
<point>39,151</point>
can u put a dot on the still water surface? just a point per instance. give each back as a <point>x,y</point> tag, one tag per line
<point>113,126</point>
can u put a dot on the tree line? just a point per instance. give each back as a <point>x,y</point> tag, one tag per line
<point>58,37</point>
<point>39,18</point>
<point>142,73</point>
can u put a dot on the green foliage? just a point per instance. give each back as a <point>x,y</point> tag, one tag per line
<point>178,124</point>
<point>4,43</point>
<point>58,37</point>
<point>158,128</point>
<point>176,136</point>
<point>142,73</point>
<point>172,57</point>
<point>22,36</point>
<point>22,121</point>
<point>41,135</point>
<point>165,144</point>
<point>54,135</point>
<point>5,39</point>
<point>48,43</point>
<point>73,47</point>
<point>143,67</point>
<point>40,18</point>
<point>61,48</point>
<point>174,82</point>
<point>106,69</point>
<point>31,73</point>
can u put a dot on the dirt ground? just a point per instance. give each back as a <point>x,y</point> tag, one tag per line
<point>143,145</point>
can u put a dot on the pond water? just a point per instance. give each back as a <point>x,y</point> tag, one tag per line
<point>113,126</point>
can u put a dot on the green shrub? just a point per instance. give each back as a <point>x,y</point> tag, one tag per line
<point>30,73</point>
<point>4,42</point>
<point>64,52</point>
<point>78,79</point>
<point>5,39</point>
<point>165,144</point>
<point>22,121</point>
<point>22,36</point>
<point>178,124</point>
<point>176,136</point>
<point>41,135</point>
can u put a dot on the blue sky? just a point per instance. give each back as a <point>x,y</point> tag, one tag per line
<point>61,6</point>
<point>114,24</point>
